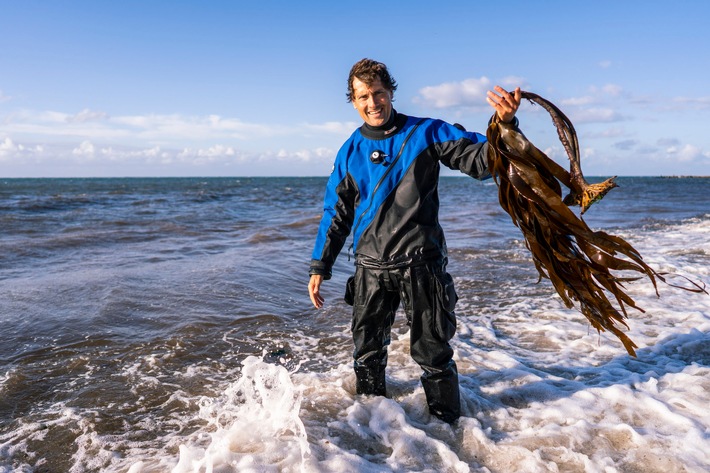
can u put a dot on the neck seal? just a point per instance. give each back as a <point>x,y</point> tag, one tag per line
<point>392,127</point>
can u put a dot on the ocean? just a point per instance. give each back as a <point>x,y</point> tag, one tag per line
<point>164,325</point>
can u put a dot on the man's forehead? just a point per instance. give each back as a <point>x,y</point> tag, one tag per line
<point>361,87</point>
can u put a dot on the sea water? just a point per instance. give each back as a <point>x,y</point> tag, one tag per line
<point>164,325</point>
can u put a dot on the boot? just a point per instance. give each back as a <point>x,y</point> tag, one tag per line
<point>370,380</point>
<point>442,393</point>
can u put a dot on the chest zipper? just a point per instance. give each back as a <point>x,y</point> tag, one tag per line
<point>382,179</point>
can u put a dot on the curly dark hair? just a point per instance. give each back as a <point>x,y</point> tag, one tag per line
<point>368,71</point>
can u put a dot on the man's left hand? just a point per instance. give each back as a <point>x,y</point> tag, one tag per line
<point>505,104</point>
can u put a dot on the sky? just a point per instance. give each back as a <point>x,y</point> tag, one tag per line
<point>232,88</point>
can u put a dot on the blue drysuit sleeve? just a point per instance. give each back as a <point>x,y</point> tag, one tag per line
<point>341,197</point>
<point>462,150</point>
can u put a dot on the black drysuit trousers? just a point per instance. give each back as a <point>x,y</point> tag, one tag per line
<point>427,293</point>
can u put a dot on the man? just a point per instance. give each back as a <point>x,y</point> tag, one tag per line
<point>383,188</point>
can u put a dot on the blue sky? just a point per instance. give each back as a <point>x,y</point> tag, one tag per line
<point>217,88</point>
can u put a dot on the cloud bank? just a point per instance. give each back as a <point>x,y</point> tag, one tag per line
<point>87,158</point>
<point>49,143</point>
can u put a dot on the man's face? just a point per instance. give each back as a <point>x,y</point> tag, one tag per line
<point>373,102</point>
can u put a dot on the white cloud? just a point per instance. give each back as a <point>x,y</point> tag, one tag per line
<point>174,130</point>
<point>41,126</point>
<point>6,145</point>
<point>605,64</point>
<point>511,82</point>
<point>595,115</point>
<point>85,149</point>
<point>597,95</point>
<point>317,155</point>
<point>578,101</point>
<point>597,106</point>
<point>176,127</point>
<point>612,90</point>
<point>9,150</point>
<point>213,154</point>
<point>336,128</point>
<point>92,142</point>
<point>87,115</point>
<point>59,154</point>
<point>696,103</point>
<point>556,153</point>
<point>687,153</point>
<point>587,153</point>
<point>467,93</point>
<point>3,97</point>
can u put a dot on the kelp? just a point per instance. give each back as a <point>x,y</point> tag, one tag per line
<point>581,263</point>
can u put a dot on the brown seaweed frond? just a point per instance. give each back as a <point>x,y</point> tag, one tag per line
<point>578,261</point>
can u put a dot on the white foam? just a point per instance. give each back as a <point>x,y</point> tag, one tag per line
<point>254,426</point>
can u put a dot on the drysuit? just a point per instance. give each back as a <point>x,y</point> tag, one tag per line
<point>384,190</point>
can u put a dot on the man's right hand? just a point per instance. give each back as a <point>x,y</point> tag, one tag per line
<point>314,290</point>
<point>505,104</point>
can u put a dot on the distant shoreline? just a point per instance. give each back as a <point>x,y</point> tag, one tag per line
<point>684,177</point>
